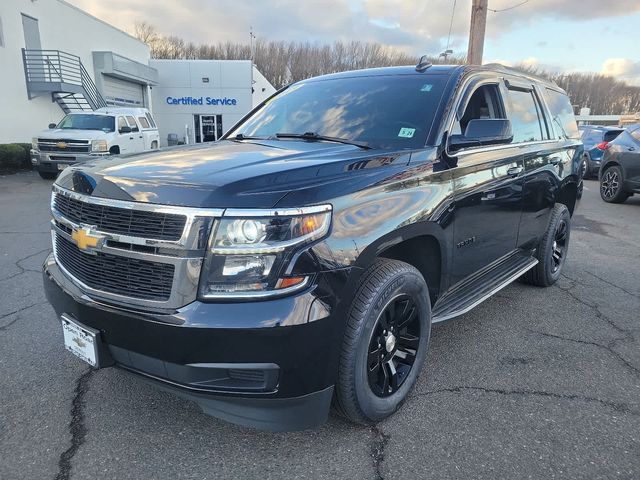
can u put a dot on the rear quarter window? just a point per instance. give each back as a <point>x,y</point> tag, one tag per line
<point>143,121</point>
<point>563,120</point>
<point>611,135</point>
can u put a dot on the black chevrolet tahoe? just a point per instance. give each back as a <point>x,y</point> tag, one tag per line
<point>300,261</point>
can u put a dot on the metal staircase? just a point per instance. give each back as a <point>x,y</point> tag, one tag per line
<point>63,76</point>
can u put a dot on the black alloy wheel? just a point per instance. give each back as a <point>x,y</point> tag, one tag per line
<point>559,246</point>
<point>385,341</point>
<point>393,346</point>
<point>611,189</point>
<point>552,250</point>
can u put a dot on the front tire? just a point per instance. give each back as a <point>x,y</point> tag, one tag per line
<point>385,342</point>
<point>552,250</point>
<point>611,186</point>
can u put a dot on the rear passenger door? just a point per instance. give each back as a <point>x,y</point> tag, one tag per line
<point>137,142</point>
<point>546,131</point>
<point>487,187</point>
<point>630,156</point>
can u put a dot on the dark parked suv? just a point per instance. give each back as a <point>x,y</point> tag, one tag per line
<point>596,141</point>
<point>301,260</point>
<point>620,169</point>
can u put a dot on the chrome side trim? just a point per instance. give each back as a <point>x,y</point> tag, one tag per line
<point>469,151</point>
<point>492,292</point>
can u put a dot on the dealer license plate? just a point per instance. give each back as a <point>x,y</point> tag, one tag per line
<point>79,340</point>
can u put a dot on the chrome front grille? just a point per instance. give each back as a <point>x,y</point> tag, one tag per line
<point>116,274</point>
<point>64,145</point>
<point>140,255</point>
<point>136,223</point>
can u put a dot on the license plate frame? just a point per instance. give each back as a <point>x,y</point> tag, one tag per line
<point>80,340</point>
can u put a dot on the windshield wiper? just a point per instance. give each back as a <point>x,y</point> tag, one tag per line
<point>316,137</point>
<point>241,136</point>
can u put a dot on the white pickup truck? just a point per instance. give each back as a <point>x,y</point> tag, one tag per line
<point>87,135</point>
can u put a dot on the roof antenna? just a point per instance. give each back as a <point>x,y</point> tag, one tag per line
<point>423,64</point>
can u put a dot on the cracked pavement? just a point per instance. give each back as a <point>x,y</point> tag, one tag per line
<point>533,383</point>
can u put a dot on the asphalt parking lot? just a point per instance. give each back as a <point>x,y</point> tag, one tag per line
<point>534,383</point>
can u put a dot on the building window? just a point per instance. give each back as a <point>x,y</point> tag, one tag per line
<point>1,34</point>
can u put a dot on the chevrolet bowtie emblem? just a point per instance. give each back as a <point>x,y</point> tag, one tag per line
<point>61,145</point>
<point>84,239</point>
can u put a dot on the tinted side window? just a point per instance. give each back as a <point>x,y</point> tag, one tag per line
<point>611,135</point>
<point>143,121</point>
<point>525,117</point>
<point>122,123</point>
<point>483,103</point>
<point>563,120</point>
<point>133,124</point>
<point>151,121</point>
<point>635,134</point>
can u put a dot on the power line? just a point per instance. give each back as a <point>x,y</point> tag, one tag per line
<point>508,8</point>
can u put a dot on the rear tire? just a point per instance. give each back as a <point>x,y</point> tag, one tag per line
<point>48,175</point>
<point>584,166</point>
<point>611,186</point>
<point>385,342</point>
<point>552,250</point>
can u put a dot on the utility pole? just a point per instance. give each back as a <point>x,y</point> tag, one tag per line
<point>476,32</point>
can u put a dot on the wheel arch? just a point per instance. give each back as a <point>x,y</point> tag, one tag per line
<point>422,245</point>
<point>568,195</point>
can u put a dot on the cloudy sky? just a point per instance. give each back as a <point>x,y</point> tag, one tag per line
<point>564,35</point>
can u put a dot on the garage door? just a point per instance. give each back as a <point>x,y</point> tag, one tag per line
<point>121,92</point>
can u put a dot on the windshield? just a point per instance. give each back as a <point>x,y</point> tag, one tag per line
<point>382,111</point>
<point>79,121</point>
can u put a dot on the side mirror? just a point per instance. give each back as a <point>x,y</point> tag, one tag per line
<point>483,131</point>
<point>125,130</point>
<point>52,126</point>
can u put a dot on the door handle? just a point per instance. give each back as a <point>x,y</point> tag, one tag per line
<point>515,171</point>
<point>631,149</point>
<point>130,138</point>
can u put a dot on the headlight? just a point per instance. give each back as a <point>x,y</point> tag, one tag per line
<point>34,143</point>
<point>98,145</point>
<point>250,249</point>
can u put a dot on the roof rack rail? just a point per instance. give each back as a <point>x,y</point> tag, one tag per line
<point>423,64</point>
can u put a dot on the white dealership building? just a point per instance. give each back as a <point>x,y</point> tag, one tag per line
<point>199,100</point>
<point>56,58</point>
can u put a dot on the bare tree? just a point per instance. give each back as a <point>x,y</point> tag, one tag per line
<point>145,32</point>
<point>285,62</point>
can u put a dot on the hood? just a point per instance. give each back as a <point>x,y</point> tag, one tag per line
<point>71,134</point>
<point>231,174</point>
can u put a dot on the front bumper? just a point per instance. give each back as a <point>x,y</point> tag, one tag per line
<point>268,364</point>
<point>54,162</point>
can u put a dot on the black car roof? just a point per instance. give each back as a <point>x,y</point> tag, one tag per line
<point>449,70</point>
